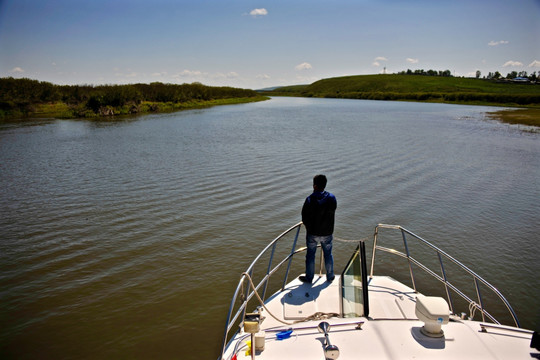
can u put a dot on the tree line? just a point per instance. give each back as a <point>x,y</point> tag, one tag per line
<point>491,76</point>
<point>20,96</point>
<point>445,73</point>
<point>513,75</point>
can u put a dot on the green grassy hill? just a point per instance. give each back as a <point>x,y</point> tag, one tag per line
<point>419,88</point>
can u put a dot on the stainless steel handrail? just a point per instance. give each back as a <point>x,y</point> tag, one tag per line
<point>263,283</point>
<point>440,253</point>
<point>231,320</point>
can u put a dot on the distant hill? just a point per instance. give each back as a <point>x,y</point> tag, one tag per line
<point>418,88</point>
<point>293,90</point>
<point>271,88</point>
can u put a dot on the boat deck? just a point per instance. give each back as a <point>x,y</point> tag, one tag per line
<point>389,299</point>
<point>391,331</point>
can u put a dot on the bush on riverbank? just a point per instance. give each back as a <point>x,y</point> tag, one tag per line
<point>26,97</point>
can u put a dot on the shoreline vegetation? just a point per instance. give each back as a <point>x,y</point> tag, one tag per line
<point>22,99</point>
<point>28,99</point>
<point>527,116</point>
<point>425,88</point>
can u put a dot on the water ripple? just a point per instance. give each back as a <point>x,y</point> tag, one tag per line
<point>117,238</point>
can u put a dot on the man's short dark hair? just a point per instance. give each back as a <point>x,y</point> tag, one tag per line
<point>320,181</point>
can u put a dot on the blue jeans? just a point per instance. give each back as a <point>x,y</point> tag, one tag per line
<point>326,245</point>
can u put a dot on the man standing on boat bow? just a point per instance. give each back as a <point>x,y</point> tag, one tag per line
<point>318,215</point>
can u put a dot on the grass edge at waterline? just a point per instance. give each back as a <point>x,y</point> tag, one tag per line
<point>521,116</point>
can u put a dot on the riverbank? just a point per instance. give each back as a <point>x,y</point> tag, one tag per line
<point>26,98</point>
<point>62,110</point>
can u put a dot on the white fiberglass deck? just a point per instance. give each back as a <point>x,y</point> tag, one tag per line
<point>389,299</point>
<point>391,332</point>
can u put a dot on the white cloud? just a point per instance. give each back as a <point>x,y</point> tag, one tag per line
<point>190,73</point>
<point>263,77</point>
<point>186,75</point>
<point>535,63</point>
<point>131,74</point>
<point>220,76</point>
<point>512,63</point>
<point>412,61</point>
<point>258,12</point>
<point>496,43</point>
<point>17,70</point>
<point>378,59</point>
<point>303,66</point>
<point>229,75</point>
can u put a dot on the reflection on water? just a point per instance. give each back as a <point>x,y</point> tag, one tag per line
<point>125,239</point>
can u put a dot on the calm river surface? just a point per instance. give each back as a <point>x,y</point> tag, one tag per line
<point>125,239</point>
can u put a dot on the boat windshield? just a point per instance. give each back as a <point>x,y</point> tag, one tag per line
<point>354,295</point>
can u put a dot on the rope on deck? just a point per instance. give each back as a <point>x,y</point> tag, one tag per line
<point>316,316</point>
<point>352,241</point>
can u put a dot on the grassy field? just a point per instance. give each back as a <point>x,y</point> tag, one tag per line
<point>419,88</point>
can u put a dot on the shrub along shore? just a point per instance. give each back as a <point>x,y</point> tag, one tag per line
<point>26,98</point>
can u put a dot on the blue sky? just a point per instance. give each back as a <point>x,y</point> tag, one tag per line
<point>257,43</point>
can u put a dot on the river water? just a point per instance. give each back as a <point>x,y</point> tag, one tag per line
<point>125,238</point>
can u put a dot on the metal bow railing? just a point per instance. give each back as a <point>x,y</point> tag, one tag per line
<point>246,293</point>
<point>473,305</point>
<point>263,283</point>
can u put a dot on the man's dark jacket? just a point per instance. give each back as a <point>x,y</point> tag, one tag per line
<point>318,213</point>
